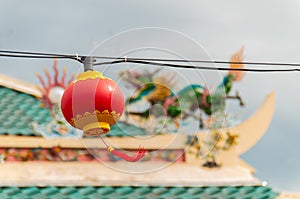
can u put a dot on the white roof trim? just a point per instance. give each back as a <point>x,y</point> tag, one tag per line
<point>19,85</point>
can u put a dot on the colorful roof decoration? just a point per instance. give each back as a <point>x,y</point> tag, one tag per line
<point>154,96</point>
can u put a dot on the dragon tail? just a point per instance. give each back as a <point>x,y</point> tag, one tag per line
<point>238,59</point>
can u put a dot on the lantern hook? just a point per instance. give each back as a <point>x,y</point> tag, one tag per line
<point>88,63</point>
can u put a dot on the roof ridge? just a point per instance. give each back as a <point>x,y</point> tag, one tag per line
<point>19,85</point>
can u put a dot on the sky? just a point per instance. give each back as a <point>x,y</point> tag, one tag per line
<point>269,31</point>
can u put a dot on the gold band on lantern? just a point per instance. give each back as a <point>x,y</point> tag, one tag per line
<point>105,128</point>
<point>101,120</point>
<point>89,75</point>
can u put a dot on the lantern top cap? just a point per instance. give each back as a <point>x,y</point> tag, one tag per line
<point>90,75</point>
<point>88,63</point>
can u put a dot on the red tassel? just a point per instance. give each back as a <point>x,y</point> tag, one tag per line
<point>136,157</point>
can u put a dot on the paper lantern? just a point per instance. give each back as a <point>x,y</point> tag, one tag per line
<point>93,103</point>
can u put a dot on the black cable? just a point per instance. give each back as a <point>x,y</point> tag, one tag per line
<point>197,67</point>
<point>110,62</point>
<point>202,61</point>
<point>150,61</point>
<point>34,55</point>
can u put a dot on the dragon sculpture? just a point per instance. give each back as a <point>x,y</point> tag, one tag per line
<point>157,89</point>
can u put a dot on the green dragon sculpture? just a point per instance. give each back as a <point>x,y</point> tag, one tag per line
<point>157,89</point>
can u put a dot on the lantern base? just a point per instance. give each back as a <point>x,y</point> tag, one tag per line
<point>96,129</point>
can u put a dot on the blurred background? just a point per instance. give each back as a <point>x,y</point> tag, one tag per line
<point>268,30</point>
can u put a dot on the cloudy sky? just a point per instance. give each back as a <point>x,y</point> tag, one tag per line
<point>269,31</point>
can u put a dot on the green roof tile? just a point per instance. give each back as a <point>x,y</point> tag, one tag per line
<point>122,129</point>
<point>49,191</point>
<point>18,110</point>
<point>138,192</point>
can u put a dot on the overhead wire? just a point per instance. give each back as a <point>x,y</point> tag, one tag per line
<point>154,61</point>
<point>198,67</point>
<point>202,61</point>
<point>37,55</point>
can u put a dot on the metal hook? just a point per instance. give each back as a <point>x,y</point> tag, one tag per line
<point>88,63</point>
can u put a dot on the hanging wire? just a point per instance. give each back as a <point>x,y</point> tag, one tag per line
<point>34,53</point>
<point>153,61</point>
<point>200,61</point>
<point>38,55</point>
<point>129,60</point>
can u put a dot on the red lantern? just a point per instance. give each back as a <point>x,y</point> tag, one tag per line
<point>93,103</point>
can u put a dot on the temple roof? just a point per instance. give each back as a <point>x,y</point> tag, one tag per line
<point>241,192</point>
<point>19,107</point>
